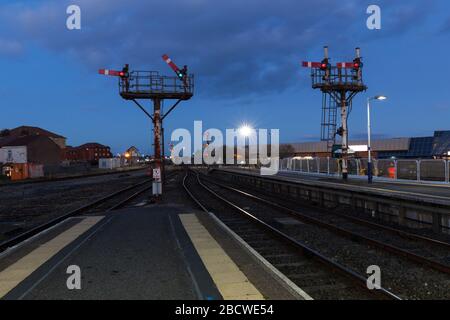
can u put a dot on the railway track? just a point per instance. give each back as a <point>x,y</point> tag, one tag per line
<point>318,275</point>
<point>426,251</point>
<point>414,279</point>
<point>107,203</point>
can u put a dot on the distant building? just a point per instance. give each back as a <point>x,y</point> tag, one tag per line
<point>132,155</point>
<point>88,152</point>
<point>37,149</point>
<point>436,146</point>
<point>26,156</point>
<point>23,131</point>
<point>133,152</point>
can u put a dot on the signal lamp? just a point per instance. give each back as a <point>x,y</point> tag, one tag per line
<point>324,65</point>
<point>357,64</point>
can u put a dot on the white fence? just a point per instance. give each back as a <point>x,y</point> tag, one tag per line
<point>398,169</point>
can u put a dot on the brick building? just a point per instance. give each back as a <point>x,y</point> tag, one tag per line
<point>23,131</point>
<point>27,156</point>
<point>88,152</point>
<point>38,149</point>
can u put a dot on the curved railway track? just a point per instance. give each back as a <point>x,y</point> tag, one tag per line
<point>318,275</point>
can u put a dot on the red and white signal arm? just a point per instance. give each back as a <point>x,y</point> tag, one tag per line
<point>171,64</point>
<point>114,73</point>
<point>309,64</point>
<point>346,65</point>
<point>157,174</point>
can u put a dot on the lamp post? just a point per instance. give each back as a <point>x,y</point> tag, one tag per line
<point>369,148</point>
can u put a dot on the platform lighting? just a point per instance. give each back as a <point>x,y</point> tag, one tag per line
<point>369,149</point>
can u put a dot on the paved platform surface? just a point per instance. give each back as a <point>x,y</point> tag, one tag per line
<point>137,253</point>
<point>421,188</point>
<point>154,252</point>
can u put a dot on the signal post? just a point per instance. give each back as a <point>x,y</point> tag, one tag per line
<point>150,85</point>
<point>339,84</point>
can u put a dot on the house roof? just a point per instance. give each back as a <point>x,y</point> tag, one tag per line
<point>28,130</point>
<point>22,141</point>
<point>5,140</point>
<point>92,145</point>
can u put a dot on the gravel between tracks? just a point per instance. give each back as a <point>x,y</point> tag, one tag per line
<point>408,279</point>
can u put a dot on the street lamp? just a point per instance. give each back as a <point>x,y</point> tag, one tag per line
<point>369,162</point>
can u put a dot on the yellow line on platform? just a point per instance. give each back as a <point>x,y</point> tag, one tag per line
<point>231,282</point>
<point>21,269</point>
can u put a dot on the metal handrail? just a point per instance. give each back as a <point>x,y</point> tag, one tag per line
<point>337,76</point>
<point>377,165</point>
<point>153,82</point>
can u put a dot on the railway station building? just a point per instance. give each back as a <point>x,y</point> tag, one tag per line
<point>431,147</point>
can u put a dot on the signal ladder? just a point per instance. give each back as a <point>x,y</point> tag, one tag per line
<point>329,119</point>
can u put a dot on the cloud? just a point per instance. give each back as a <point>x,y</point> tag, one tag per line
<point>406,17</point>
<point>234,48</point>
<point>11,48</point>
<point>445,28</point>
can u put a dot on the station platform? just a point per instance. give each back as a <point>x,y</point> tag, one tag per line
<point>434,193</point>
<point>428,188</point>
<point>147,253</point>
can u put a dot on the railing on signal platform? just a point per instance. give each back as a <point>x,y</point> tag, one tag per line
<point>153,82</point>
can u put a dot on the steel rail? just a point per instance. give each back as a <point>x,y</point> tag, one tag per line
<point>347,272</point>
<point>347,233</point>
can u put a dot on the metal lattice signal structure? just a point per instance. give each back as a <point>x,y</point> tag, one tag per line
<point>150,85</point>
<point>339,84</point>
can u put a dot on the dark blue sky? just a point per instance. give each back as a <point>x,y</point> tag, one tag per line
<point>245,56</point>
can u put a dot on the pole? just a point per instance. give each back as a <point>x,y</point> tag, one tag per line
<point>163,158</point>
<point>369,147</point>
<point>358,56</point>
<point>327,71</point>
<point>157,172</point>
<point>344,114</point>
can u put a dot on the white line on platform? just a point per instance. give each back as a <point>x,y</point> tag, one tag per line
<point>21,269</point>
<point>231,282</point>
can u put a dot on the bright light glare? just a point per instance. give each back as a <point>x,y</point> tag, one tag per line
<point>245,130</point>
<point>380,97</point>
